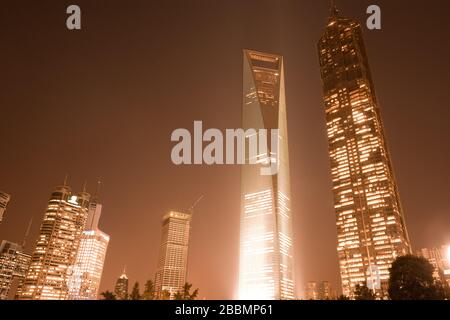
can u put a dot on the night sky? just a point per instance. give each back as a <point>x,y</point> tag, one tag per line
<point>101,103</point>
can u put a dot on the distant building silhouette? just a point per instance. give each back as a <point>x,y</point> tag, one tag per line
<point>321,290</point>
<point>325,291</point>
<point>121,288</point>
<point>173,253</point>
<point>4,199</point>
<point>14,263</point>
<point>440,259</point>
<point>312,291</point>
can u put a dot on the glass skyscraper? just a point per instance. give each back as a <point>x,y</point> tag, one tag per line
<point>266,252</point>
<point>86,273</point>
<point>370,222</point>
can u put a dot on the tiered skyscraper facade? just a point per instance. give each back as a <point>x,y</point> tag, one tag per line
<point>369,217</point>
<point>173,255</point>
<point>57,246</point>
<point>266,252</point>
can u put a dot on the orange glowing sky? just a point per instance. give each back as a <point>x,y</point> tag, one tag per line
<point>102,103</point>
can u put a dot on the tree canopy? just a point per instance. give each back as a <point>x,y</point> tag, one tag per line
<point>185,293</point>
<point>411,278</point>
<point>362,292</point>
<point>135,294</point>
<point>108,295</point>
<point>149,291</point>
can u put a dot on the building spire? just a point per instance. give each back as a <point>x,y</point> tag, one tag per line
<point>333,9</point>
<point>124,273</point>
<point>66,178</point>
<point>97,191</point>
<point>27,233</point>
<point>84,186</point>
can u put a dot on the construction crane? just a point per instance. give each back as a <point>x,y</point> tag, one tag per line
<point>191,208</point>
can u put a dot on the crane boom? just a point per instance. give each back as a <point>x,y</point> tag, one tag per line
<point>191,208</point>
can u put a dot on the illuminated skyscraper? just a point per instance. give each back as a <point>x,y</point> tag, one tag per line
<point>4,199</point>
<point>87,271</point>
<point>369,217</point>
<point>57,246</point>
<point>14,264</point>
<point>121,288</point>
<point>86,275</point>
<point>266,253</point>
<point>173,253</point>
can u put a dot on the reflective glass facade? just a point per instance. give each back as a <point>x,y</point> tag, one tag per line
<point>266,252</point>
